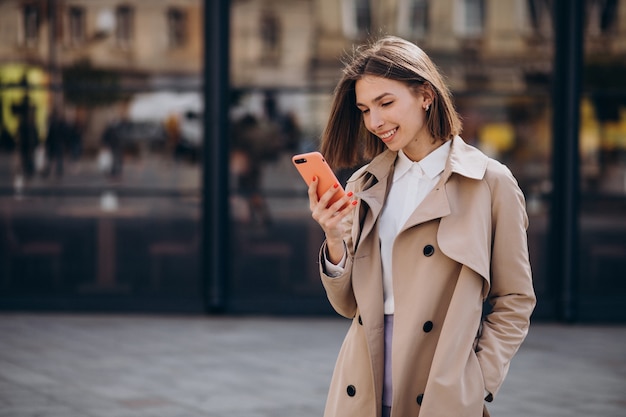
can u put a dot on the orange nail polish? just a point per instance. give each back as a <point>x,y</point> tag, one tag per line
<point>354,203</point>
<point>336,186</point>
<point>350,194</point>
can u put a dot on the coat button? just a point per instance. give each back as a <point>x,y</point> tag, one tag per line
<point>429,250</point>
<point>360,321</point>
<point>351,390</point>
<point>420,398</point>
<point>428,326</point>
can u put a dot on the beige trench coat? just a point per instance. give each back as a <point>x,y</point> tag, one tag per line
<point>466,243</point>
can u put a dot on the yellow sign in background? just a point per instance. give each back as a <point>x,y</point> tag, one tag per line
<point>12,78</point>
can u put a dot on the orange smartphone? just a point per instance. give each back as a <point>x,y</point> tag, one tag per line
<point>313,164</point>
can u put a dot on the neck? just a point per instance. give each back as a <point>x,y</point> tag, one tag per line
<point>422,148</point>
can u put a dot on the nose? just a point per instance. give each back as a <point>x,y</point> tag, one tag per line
<point>375,121</point>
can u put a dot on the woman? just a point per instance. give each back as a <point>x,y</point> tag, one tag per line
<point>435,228</point>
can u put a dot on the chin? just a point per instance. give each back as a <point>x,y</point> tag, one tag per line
<point>393,147</point>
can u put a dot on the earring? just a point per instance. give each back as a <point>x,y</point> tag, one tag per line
<point>427,107</point>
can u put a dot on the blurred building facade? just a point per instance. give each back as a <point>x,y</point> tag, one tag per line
<point>137,68</point>
<point>83,45</point>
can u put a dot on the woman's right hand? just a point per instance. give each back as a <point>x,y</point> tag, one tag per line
<point>330,218</point>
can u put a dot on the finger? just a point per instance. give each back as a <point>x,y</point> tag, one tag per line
<point>312,192</point>
<point>332,217</point>
<point>329,194</point>
<point>332,224</point>
<point>342,202</point>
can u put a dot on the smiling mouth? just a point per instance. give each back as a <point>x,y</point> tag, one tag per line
<point>388,134</point>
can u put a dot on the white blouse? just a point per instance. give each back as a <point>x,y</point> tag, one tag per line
<point>412,181</point>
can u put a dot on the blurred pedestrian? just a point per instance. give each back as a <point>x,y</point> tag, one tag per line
<point>252,144</point>
<point>435,229</point>
<point>75,138</point>
<point>59,134</point>
<point>173,134</point>
<point>112,142</point>
<point>28,139</point>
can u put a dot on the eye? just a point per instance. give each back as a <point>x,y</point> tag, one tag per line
<point>387,103</point>
<point>365,111</point>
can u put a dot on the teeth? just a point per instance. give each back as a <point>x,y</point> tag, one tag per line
<point>388,134</point>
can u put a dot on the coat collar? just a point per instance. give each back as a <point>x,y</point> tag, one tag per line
<point>376,177</point>
<point>463,159</point>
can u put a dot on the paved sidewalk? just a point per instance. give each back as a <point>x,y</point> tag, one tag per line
<point>173,366</point>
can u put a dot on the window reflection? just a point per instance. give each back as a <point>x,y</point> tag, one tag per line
<point>114,146</point>
<point>413,17</point>
<point>124,29</point>
<point>30,21</point>
<point>601,17</point>
<point>100,152</point>
<point>540,12</point>
<point>270,36</point>
<point>603,107</point>
<point>177,26</point>
<point>357,17</point>
<point>76,24</point>
<point>470,17</point>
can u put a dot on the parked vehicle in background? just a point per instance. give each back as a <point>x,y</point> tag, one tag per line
<point>190,144</point>
<point>178,114</point>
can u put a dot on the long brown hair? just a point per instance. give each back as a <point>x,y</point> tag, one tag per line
<point>345,141</point>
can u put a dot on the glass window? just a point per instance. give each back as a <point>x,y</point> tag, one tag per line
<point>470,17</point>
<point>608,15</point>
<point>506,110</point>
<point>602,142</point>
<point>601,16</point>
<point>274,239</point>
<point>124,26</point>
<point>76,29</point>
<point>413,17</point>
<point>100,166</point>
<point>177,26</point>
<point>357,17</point>
<point>603,108</point>
<point>540,13</point>
<point>270,36</point>
<point>31,20</point>
<point>100,169</point>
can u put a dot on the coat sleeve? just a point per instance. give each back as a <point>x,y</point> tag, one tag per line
<point>339,287</point>
<point>511,293</point>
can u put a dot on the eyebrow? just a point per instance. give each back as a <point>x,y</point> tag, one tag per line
<point>377,99</point>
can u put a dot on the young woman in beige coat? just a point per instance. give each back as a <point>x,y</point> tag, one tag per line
<point>429,230</point>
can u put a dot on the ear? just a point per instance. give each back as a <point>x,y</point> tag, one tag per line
<point>428,93</point>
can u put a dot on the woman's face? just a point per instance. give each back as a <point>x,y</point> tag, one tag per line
<point>396,114</point>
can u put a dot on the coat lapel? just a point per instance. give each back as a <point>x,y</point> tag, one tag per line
<point>434,206</point>
<point>376,177</point>
<point>461,230</point>
<point>371,206</point>
<point>463,160</point>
